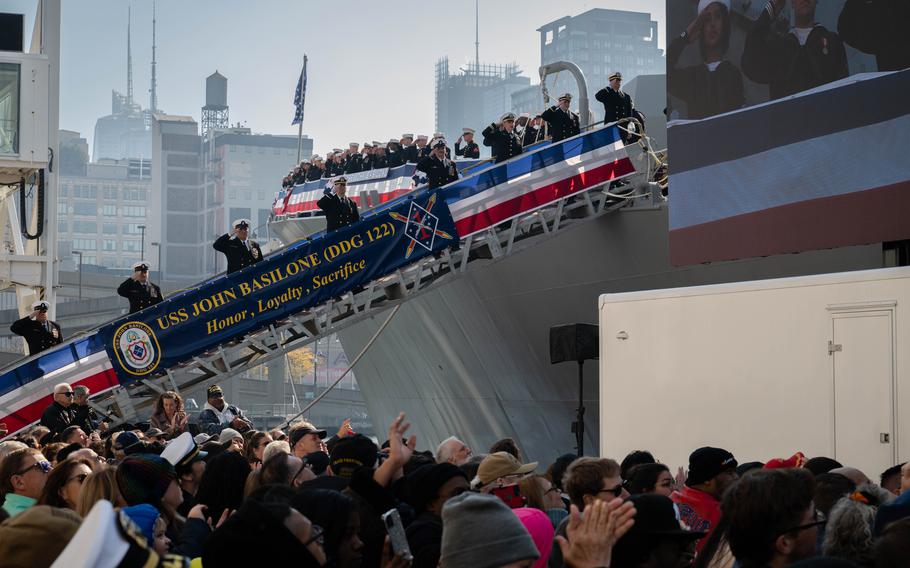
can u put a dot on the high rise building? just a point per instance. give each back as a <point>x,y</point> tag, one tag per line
<point>122,134</point>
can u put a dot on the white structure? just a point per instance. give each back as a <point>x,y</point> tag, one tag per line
<point>818,364</point>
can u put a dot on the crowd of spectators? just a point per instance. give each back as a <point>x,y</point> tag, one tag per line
<point>234,495</point>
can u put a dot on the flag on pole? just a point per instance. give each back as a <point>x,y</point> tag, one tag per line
<point>300,95</point>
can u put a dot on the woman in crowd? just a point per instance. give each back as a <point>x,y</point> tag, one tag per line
<point>100,485</point>
<point>169,416</point>
<point>255,446</point>
<point>222,484</point>
<point>335,514</point>
<point>650,478</point>
<point>22,478</point>
<point>540,493</point>
<point>64,484</point>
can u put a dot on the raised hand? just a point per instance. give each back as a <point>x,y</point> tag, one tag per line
<point>592,537</point>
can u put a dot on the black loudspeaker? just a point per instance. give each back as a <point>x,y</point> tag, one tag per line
<point>11,30</point>
<point>573,342</point>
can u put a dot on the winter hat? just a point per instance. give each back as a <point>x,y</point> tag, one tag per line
<point>36,536</point>
<point>318,462</point>
<point>352,452</point>
<point>144,516</point>
<point>538,525</point>
<point>227,435</point>
<point>144,478</point>
<point>480,531</point>
<point>707,463</point>
<point>426,481</point>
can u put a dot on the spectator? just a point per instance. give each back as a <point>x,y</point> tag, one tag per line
<point>59,415</point>
<point>339,520</point>
<point>277,446</point>
<point>283,469</point>
<point>35,538</point>
<point>304,438</point>
<point>217,415</point>
<point>84,415</point>
<point>855,475</point>
<point>711,471</point>
<point>806,56</point>
<point>64,484</point>
<point>189,465</point>
<point>169,415</point>
<point>22,477</point>
<point>650,478</point>
<point>351,453</point>
<point>278,435</point>
<point>894,511</point>
<point>155,436</point>
<point>146,478</point>
<point>101,485</point>
<point>773,521</point>
<point>222,483</point>
<point>499,473</point>
<point>127,443</point>
<point>507,445</point>
<point>431,486</point>
<point>453,451</point>
<point>8,447</point>
<point>254,448</point>
<point>891,479</point>
<point>893,548</point>
<point>540,493</point>
<point>500,136</point>
<point>634,458</point>
<point>231,439</point>
<point>479,531</point>
<point>540,528</point>
<point>821,465</point>
<point>656,538</point>
<point>829,489</point>
<point>50,451</point>
<point>74,435</point>
<point>152,525</point>
<point>557,470</point>
<point>848,533</point>
<point>878,27</point>
<point>75,451</point>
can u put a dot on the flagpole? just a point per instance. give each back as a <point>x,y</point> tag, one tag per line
<point>300,127</point>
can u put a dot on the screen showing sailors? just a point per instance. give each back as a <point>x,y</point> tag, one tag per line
<point>439,169</point>
<point>239,249</point>
<point>340,210</point>
<point>561,120</point>
<point>470,150</point>
<point>39,332</point>
<point>138,289</point>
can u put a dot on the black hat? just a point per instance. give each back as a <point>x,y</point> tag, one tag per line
<point>213,390</point>
<point>426,481</point>
<point>706,463</point>
<point>352,452</point>
<point>297,434</point>
<point>318,462</point>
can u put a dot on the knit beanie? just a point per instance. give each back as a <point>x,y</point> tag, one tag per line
<point>538,525</point>
<point>480,531</point>
<point>144,478</point>
<point>144,516</point>
<point>426,481</point>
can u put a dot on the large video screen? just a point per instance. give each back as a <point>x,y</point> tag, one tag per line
<point>783,113</point>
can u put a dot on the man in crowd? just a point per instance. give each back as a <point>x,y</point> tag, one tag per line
<point>305,438</point>
<point>502,139</point>
<point>561,120</point>
<point>140,292</point>
<point>217,415</point>
<point>84,415</point>
<point>656,539</point>
<point>470,151</point>
<point>189,464</point>
<point>806,56</point>
<point>239,249</point>
<point>431,487</point>
<point>439,169</point>
<point>340,210</point>
<point>23,474</point>
<point>73,434</point>
<point>60,414</point>
<point>772,520</point>
<point>711,472</point>
<point>453,451</point>
<point>39,332</point>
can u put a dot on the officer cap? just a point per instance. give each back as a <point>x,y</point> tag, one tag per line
<point>340,181</point>
<point>182,451</point>
<point>315,157</point>
<point>140,265</point>
<point>367,145</point>
<point>41,305</point>
<point>437,142</point>
<point>241,224</point>
<point>565,97</point>
<point>393,141</point>
<point>467,130</point>
<point>616,75</point>
<point>354,144</point>
<point>507,116</point>
<point>702,4</point>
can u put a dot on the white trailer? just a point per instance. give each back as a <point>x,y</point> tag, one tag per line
<point>818,364</point>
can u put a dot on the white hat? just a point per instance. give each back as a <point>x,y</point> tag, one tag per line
<point>337,150</point>
<point>202,438</point>
<point>467,130</point>
<point>421,136</point>
<point>179,447</point>
<point>702,4</point>
<point>353,144</point>
<point>239,222</point>
<point>411,136</point>
<point>438,135</point>
<point>565,97</point>
<point>438,142</point>
<point>41,303</point>
<point>136,265</point>
<point>507,116</point>
<point>227,435</point>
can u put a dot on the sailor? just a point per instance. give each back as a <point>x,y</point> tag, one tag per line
<point>440,169</point>
<point>240,250</point>
<point>618,106</point>
<point>437,136</point>
<point>532,133</point>
<point>409,149</point>
<point>394,156</point>
<point>471,150</point>
<point>379,157</point>
<point>366,157</point>
<point>502,139</point>
<point>354,162</point>
<point>138,290</point>
<point>561,120</point>
<point>39,332</point>
<point>422,149</point>
<point>316,169</point>
<point>340,211</point>
<point>189,463</point>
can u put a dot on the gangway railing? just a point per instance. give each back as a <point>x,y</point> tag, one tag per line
<point>490,215</point>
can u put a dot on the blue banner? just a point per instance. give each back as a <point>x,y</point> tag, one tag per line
<point>304,275</point>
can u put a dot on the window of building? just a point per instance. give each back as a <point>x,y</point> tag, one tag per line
<point>109,261</point>
<point>89,209</point>
<point>232,194</point>
<point>247,195</point>
<point>131,246</point>
<point>548,37</point>
<point>135,194</point>
<point>111,193</point>
<point>109,210</point>
<point>85,244</point>
<point>85,227</point>
<point>133,211</point>
<point>109,245</point>
<point>89,259</point>
<point>63,190</point>
<point>85,192</point>
<point>62,227</point>
<point>132,229</point>
<point>109,229</point>
<point>277,151</point>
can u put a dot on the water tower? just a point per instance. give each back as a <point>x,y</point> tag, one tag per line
<point>215,111</point>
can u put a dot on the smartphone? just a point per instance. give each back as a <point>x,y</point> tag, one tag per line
<point>397,538</point>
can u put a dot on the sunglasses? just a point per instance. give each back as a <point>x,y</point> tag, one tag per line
<point>69,394</point>
<point>44,466</point>
<point>616,491</point>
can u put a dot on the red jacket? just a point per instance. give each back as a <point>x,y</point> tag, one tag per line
<point>700,511</point>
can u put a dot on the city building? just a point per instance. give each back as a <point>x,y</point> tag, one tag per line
<point>123,133</point>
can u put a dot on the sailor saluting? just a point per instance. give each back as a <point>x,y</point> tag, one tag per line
<point>240,250</point>
<point>39,332</point>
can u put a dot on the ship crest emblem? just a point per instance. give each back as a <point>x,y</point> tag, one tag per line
<point>421,226</point>
<point>137,348</point>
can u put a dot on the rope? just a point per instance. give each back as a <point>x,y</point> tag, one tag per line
<point>348,370</point>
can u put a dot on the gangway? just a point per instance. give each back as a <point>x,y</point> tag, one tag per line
<point>492,214</point>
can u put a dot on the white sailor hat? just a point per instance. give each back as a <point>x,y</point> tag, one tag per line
<point>467,130</point>
<point>421,137</point>
<point>565,97</point>
<point>315,157</point>
<point>438,135</point>
<point>353,144</point>
<point>305,163</point>
<point>616,75</point>
<point>140,264</point>
<point>367,145</point>
<point>241,224</point>
<point>411,136</point>
<point>41,304</point>
<point>377,143</point>
<point>182,451</point>
<point>507,116</point>
<point>702,4</point>
<point>108,538</point>
<point>337,150</point>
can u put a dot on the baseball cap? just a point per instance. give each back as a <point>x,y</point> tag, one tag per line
<point>352,452</point>
<point>501,464</point>
<point>125,440</point>
<point>214,390</point>
<point>706,463</point>
<point>297,434</point>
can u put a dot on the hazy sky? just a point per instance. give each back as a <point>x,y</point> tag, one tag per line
<point>371,64</point>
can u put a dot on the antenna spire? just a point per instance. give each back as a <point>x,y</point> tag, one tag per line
<point>476,34</point>
<point>153,98</point>
<point>129,57</point>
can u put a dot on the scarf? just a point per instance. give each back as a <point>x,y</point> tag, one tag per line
<point>224,416</point>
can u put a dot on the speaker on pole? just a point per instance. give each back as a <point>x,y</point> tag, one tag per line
<point>575,342</point>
